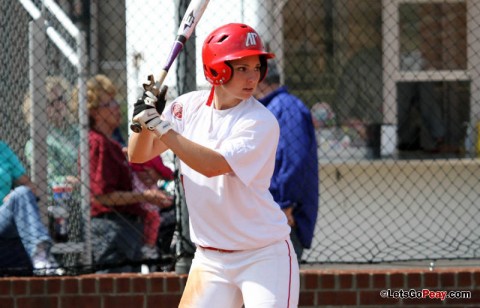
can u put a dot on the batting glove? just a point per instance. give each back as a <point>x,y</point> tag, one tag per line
<point>151,98</point>
<point>147,111</point>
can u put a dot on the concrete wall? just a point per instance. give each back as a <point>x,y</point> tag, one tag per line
<point>390,210</point>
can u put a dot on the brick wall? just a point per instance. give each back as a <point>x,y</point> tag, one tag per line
<point>319,288</point>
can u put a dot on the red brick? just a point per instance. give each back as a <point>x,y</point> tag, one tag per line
<point>37,286</point>
<point>379,280</point>
<point>6,302</point>
<point>53,286</point>
<point>5,287</point>
<point>363,281</point>
<point>476,278</point>
<point>311,281</point>
<point>183,281</point>
<point>467,302</point>
<point>105,285</point>
<point>430,280</point>
<point>19,286</point>
<point>417,302</point>
<point>397,281</point>
<point>156,285</point>
<point>36,302</point>
<point>139,284</point>
<point>163,300</point>
<point>345,281</point>
<point>88,285</point>
<point>414,280</point>
<point>327,281</point>
<point>475,295</point>
<point>373,298</point>
<point>464,279</point>
<point>168,289</point>
<point>307,298</point>
<point>447,279</point>
<point>125,301</point>
<point>173,285</point>
<point>70,285</point>
<point>122,285</point>
<point>81,301</point>
<point>337,298</point>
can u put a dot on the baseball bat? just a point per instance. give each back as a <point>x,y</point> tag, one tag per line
<point>192,15</point>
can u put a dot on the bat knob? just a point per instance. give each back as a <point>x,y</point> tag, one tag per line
<point>136,127</point>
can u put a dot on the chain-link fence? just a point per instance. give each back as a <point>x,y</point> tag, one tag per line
<point>392,87</point>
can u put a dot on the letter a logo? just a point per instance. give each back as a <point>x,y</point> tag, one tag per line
<point>251,39</point>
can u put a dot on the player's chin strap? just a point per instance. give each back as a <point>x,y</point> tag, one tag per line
<point>210,97</point>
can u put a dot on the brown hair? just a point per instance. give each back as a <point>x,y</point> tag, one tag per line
<point>95,85</point>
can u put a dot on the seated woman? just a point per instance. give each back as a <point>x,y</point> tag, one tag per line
<point>63,137</point>
<point>117,224</point>
<point>20,217</point>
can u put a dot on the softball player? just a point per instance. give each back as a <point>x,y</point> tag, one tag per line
<point>227,142</point>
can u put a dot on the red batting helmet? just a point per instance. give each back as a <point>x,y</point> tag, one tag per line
<point>227,43</point>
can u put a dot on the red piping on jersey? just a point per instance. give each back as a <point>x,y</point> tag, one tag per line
<point>290,275</point>
<point>210,97</point>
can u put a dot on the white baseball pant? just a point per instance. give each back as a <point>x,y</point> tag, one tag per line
<point>267,277</point>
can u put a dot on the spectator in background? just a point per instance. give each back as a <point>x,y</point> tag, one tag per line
<point>145,176</point>
<point>117,226</point>
<point>63,138</point>
<point>153,170</point>
<point>294,183</point>
<point>20,216</point>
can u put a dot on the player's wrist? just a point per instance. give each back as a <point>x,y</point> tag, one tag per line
<point>161,128</point>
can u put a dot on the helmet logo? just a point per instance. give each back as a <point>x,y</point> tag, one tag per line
<point>251,39</point>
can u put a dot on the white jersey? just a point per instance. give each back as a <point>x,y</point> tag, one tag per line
<point>232,211</point>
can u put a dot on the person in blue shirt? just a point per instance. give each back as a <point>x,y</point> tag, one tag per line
<point>295,181</point>
<point>20,217</point>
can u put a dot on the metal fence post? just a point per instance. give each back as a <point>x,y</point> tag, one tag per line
<point>38,127</point>
<point>84,149</point>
